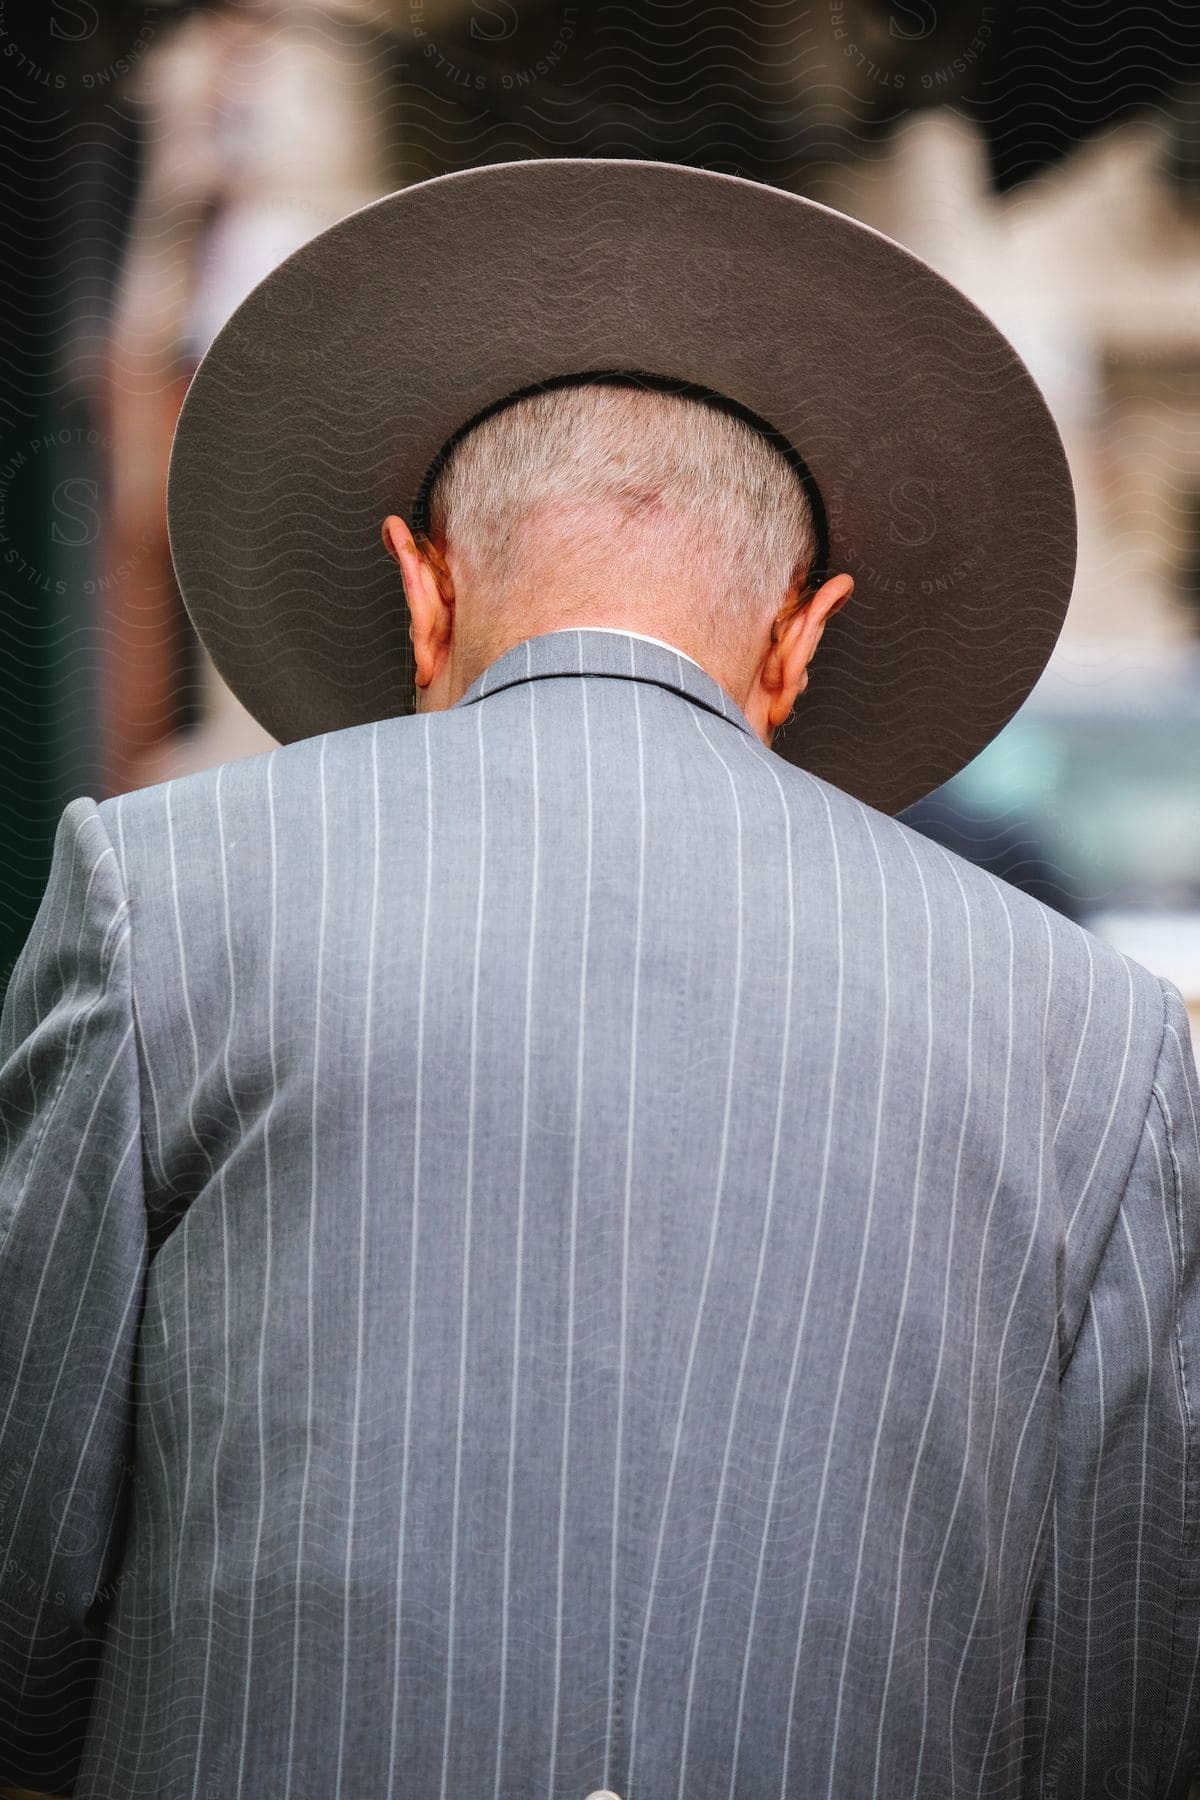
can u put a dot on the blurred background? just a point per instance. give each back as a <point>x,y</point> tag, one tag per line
<point>1046,158</point>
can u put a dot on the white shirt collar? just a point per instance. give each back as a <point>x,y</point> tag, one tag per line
<point>621,631</point>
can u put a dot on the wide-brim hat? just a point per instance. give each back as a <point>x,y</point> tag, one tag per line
<point>330,397</point>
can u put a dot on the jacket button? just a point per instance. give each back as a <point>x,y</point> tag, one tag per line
<point>603,1794</point>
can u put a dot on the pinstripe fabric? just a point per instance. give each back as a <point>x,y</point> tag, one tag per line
<point>543,1248</point>
<point>642,635</point>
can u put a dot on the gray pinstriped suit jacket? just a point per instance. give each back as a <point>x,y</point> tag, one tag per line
<point>543,1248</point>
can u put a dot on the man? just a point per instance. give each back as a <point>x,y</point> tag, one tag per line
<point>551,1246</point>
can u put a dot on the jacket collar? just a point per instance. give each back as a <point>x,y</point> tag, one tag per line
<point>584,652</point>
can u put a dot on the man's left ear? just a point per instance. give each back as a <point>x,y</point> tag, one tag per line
<point>422,561</point>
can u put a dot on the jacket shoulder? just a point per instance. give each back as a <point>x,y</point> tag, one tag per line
<point>242,783</point>
<point>1039,931</point>
<point>1084,1016</point>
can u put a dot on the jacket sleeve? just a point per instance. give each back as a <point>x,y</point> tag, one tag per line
<point>1114,1677</point>
<point>73,1257</point>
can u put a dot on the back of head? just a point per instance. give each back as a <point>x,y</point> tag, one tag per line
<point>624,504</point>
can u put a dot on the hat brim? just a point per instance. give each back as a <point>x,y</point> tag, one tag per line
<point>325,399</point>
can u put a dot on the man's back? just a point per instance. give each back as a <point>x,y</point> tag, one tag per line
<point>658,1278</point>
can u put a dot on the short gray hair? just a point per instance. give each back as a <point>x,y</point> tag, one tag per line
<point>707,509</point>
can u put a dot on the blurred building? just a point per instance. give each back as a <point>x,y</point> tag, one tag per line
<point>262,124</point>
<point>1093,271</point>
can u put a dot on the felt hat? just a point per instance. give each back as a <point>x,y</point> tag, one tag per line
<point>332,395</point>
